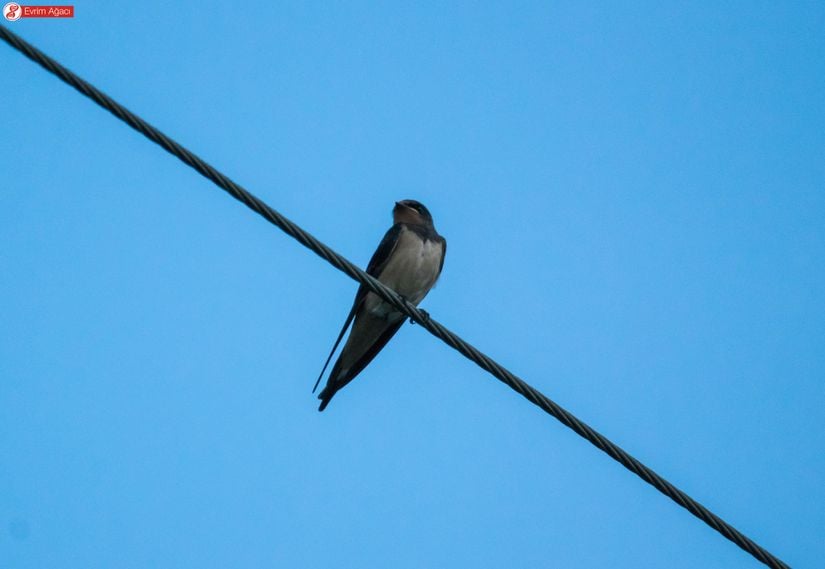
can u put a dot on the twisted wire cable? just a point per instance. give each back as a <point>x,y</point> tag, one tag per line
<point>387,294</point>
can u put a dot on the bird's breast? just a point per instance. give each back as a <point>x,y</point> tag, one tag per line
<point>413,266</point>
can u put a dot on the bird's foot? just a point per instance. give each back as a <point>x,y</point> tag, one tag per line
<point>425,316</point>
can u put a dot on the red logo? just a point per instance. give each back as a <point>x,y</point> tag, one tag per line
<point>14,11</point>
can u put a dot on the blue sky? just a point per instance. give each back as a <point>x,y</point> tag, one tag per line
<point>633,198</point>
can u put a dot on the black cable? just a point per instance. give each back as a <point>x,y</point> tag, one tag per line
<point>436,329</point>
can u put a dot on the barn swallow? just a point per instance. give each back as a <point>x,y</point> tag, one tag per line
<point>409,261</point>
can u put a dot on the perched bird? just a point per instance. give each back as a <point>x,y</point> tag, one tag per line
<point>409,261</point>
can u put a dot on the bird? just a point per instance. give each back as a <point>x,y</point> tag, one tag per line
<point>409,260</point>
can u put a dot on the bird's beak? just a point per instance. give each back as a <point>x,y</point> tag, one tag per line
<point>404,214</point>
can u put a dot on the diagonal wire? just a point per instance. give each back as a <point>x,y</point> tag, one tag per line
<point>387,294</point>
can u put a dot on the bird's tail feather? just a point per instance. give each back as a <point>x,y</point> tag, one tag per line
<point>334,347</point>
<point>325,396</point>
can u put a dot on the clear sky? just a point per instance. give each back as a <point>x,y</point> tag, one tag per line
<point>634,201</point>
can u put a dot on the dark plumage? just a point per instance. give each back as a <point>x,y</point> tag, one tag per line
<point>409,260</point>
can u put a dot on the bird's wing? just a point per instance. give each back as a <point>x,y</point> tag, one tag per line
<point>379,259</point>
<point>443,255</point>
<point>376,265</point>
<point>335,383</point>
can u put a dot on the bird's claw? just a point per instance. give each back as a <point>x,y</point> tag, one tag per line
<point>425,317</point>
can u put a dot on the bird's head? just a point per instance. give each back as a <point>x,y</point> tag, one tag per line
<point>412,212</point>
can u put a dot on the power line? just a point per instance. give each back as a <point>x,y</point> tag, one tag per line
<point>387,294</point>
